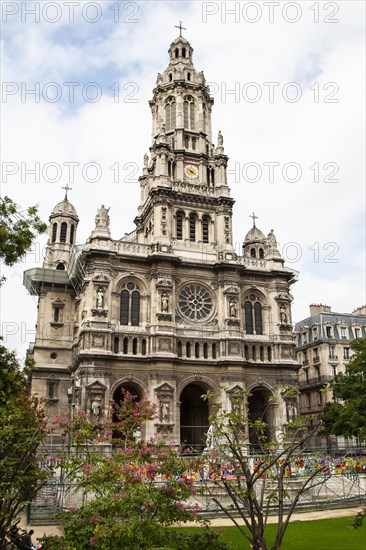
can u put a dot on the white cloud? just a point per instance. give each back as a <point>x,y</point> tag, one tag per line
<point>306,132</point>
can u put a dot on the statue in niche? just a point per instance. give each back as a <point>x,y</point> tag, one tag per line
<point>146,160</point>
<point>100,298</point>
<point>164,412</point>
<point>220,139</point>
<point>283,314</point>
<point>210,438</point>
<point>232,309</point>
<point>95,406</point>
<point>165,302</point>
<point>102,217</point>
<point>291,411</point>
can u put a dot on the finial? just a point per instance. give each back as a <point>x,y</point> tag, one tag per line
<point>254,217</point>
<point>180,28</point>
<point>67,188</point>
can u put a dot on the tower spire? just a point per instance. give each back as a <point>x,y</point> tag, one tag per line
<point>67,188</point>
<point>180,28</point>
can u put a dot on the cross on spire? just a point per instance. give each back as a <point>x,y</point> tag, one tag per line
<point>254,217</point>
<point>67,188</point>
<point>180,28</point>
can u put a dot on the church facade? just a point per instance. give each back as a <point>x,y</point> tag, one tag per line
<point>171,310</point>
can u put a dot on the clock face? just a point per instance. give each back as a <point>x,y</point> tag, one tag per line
<point>191,171</point>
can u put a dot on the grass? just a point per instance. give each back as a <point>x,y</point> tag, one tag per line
<point>323,534</point>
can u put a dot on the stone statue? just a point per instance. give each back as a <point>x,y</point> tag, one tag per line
<point>102,217</point>
<point>146,160</point>
<point>210,438</point>
<point>283,315</point>
<point>159,78</point>
<point>164,412</point>
<point>95,406</point>
<point>165,303</point>
<point>272,239</point>
<point>100,298</point>
<point>232,309</point>
<point>220,139</point>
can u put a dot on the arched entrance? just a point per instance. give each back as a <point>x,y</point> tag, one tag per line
<point>194,421</point>
<point>259,408</point>
<point>118,397</point>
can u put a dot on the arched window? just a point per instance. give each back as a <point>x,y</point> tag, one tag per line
<point>261,353</point>
<point>254,353</point>
<point>134,346</point>
<point>253,253</point>
<point>192,227</point>
<point>116,345</point>
<point>60,267</point>
<point>210,176</point>
<point>179,349</point>
<point>72,233</point>
<point>197,350</point>
<point>205,229</point>
<point>179,225</point>
<point>171,168</point>
<point>176,52</point>
<point>269,353</point>
<point>54,232</point>
<point>205,350</point>
<point>184,52</point>
<point>188,76</point>
<point>189,111</point>
<point>253,315</point>
<point>63,232</point>
<point>170,114</point>
<point>143,346</point>
<point>188,349</point>
<point>130,305</point>
<point>125,345</point>
<point>213,351</point>
<point>170,77</point>
<point>261,253</point>
<point>246,353</point>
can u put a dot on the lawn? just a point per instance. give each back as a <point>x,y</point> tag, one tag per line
<point>323,534</point>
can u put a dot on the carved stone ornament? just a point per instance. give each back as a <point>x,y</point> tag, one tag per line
<point>165,344</point>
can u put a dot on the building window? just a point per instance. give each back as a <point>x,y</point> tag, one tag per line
<point>261,353</point>
<point>334,370</point>
<point>52,389</point>
<point>188,76</point>
<point>134,346</point>
<point>308,399</point>
<point>54,232</point>
<point>269,353</point>
<point>179,349</point>
<point>253,253</point>
<point>72,234</point>
<point>143,347</point>
<point>346,354</point>
<point>116,345</point>
<point>60,267</point>
<point>170,114</point>
<point>130,305</point>
<point>213,351</point>
<point>254,353</point>
<point>205,229</point>
<point>343,332</point>
<point>205,350</point>
<point>63,232</point>
<point>315,333</point>
<point>305,337</point>
<point>253,315</point>
<point>317,372</point>
<point>197,350</point>
<point>188,349</point>
<point>189,112</point>
<point>246,353</point>
<point>195,303</point>
<point>179,225</point>
<point>261,253</point>
<point>171,169</point>
<point>57,313</point>
<point>357,332</point>
<point>125,345</point>
<point>329,331</point>
<point>183,52</point>
<point>320,398</point>
<point>332,353</point>
<point>176,51</point>
<point>192,227</point>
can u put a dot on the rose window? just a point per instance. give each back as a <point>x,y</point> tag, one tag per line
<point>195,302</point>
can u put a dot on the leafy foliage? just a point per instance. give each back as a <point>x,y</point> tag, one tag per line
<point>22,430</point>
<point>133,493</point>
<point>18,230</point>
<point>349,418</point>
<point>258,482</point>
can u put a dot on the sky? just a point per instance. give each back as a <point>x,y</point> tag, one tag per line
<point>287,80</point>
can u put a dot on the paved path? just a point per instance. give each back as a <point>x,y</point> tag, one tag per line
<point>40,530</point>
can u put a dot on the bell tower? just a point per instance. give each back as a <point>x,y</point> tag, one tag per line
<point>185,199</point>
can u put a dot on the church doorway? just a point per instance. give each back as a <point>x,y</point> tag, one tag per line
<point>194,415</point>
<point>259,408</point>
<point>119,396</point>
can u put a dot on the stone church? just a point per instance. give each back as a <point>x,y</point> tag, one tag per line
<point>170,310</point>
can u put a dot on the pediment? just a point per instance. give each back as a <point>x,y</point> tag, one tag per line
<point>165,388</point>
<point>96,386</point>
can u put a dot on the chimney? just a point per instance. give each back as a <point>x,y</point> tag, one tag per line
<point>360,310</point>
<point>319,308</point>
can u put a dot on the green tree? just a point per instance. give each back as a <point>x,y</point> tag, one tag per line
<point>22,430</point>
<point>18,229</point>
<point>255,484</point>
<point>132,493</point>
<point>349,417</point>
